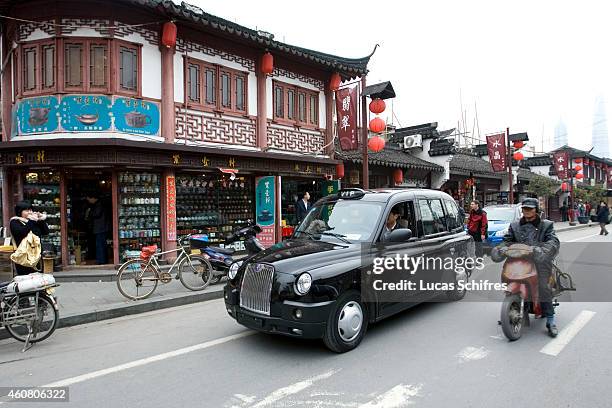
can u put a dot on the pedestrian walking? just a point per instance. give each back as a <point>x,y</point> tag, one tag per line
<point>603,217</point>
<point>478,226</point>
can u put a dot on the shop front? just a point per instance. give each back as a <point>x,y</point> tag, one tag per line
<point>151,193</point>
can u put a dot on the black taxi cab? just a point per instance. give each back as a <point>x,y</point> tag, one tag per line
<point>319,283</point>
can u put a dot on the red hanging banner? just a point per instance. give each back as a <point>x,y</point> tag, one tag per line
<point>496,147</point>
<point>170,208</point>
<point>346,108</point>
<point>561,163</point>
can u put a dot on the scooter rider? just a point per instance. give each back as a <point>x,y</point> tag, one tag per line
<point>540,235</point>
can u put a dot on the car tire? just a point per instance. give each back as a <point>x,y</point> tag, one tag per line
<point>458,294</point>
<point>347,323</point>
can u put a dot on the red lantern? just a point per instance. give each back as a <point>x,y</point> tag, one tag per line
<point>376,144</point>
<point>335,81</point>
<point>340,170</point>
<point>579,176</point>
<point>578,160</point>
<point>518,144</point>
<point>518,156</point>
<point>398,176</point>
<point>578,167</point>
<point>169,35</point>
<point>377,106</point>
<point>377,125</point>
<point>564,186</point>
<point>267,63</point>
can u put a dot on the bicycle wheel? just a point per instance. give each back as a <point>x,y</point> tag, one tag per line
<point>22,315</point>
<point>195,272</point>
<point>137,280</point>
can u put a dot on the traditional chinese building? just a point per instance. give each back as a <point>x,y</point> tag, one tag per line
<point>178,121</point>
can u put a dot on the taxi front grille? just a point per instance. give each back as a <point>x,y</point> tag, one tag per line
<point>256,288</point>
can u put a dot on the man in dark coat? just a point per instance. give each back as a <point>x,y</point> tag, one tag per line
<point>603,216</point>
<point>100,228</point>
<point>540,235</point>
<point>27,220</point>
<point>302,207</point>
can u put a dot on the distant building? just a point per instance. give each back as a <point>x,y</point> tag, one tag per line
<point>601,145</point>
<point>561,138</point>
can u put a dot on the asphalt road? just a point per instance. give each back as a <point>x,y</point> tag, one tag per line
<point>434,355</point>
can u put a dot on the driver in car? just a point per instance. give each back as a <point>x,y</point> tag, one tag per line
<point>392,223</point>
<point>540,235</point>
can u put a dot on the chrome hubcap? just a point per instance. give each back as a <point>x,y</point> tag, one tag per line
<point>350,321</point>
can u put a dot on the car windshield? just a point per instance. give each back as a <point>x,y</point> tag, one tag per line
<point>500,214</point>
<point>345,220</point>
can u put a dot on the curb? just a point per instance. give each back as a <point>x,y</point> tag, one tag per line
<point>136,308</point>
<point>575,227</point>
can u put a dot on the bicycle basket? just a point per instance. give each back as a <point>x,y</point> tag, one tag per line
<point>147,252</point>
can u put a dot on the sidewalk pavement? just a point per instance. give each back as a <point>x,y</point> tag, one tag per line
<point>87,302</point>
<point>87,296</point>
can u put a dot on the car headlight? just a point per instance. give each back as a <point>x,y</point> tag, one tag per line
<point>303,283</point>
<point>501,233</point>
<point>233,270</point>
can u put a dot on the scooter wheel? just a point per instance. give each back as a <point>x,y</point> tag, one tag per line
<point>511,322</point>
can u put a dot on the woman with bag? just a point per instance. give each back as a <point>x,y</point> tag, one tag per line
<point>26,221</point>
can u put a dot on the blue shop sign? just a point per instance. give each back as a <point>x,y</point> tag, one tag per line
<point>90,113</point>
<point>37,115</point>
<point>136,116</point>
<point>264,200</point>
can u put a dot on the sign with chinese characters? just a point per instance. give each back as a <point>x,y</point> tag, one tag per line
<point>265,188</point>
<point>90,113</point>
<point>496,147</point>
<point>37,115</point>
<point>561,163</point>
<point>346,108</point>
<point>136,116</point>
<point>171,208</point>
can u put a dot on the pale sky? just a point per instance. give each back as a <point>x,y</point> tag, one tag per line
<point>525,64</point>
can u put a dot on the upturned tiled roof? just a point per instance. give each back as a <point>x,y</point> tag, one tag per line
<point>469,163</point>
<point>347,67</point>
<point>388,157</point>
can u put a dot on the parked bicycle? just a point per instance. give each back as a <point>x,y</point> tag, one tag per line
<point>28,308</point>
<point>138,278</point>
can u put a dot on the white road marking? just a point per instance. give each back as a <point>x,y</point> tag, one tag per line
<point>396,397</point>
<point>472,354</point>
<point>148,360</point>
<point>556,345</point>
<point>292,389</point>
<point>580,239</point>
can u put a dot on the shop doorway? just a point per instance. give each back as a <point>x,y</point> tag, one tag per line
<point>293,190</point>
<point>89,218</point>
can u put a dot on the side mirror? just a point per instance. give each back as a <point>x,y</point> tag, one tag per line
<point>400,235</point>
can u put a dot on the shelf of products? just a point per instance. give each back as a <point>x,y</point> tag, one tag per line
<point>139,212</point>
<point>206,204</point>
<point>42,189</point>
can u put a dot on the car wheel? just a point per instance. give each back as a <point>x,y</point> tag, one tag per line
<point>347,323</point>
<point>459,293</point>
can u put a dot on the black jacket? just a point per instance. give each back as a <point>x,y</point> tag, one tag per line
<point>98,218</point>
<point>603,214</point>
<point>301,210</point>
<point>20,230</point>
<point>546,244</point>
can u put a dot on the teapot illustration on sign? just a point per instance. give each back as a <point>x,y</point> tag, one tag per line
<point>87,118</point>
<point>38,116</point>
<point>137,120</point>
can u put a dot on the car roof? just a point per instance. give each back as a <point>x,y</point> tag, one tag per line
<point>387,194</point>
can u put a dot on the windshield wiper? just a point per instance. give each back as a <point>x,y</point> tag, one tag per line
<point>310,234</point>
<point>339,236</point>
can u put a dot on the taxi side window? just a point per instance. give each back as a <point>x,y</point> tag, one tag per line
<point>432,216</point>
<point>407,217</point>
<point>453,217</point>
